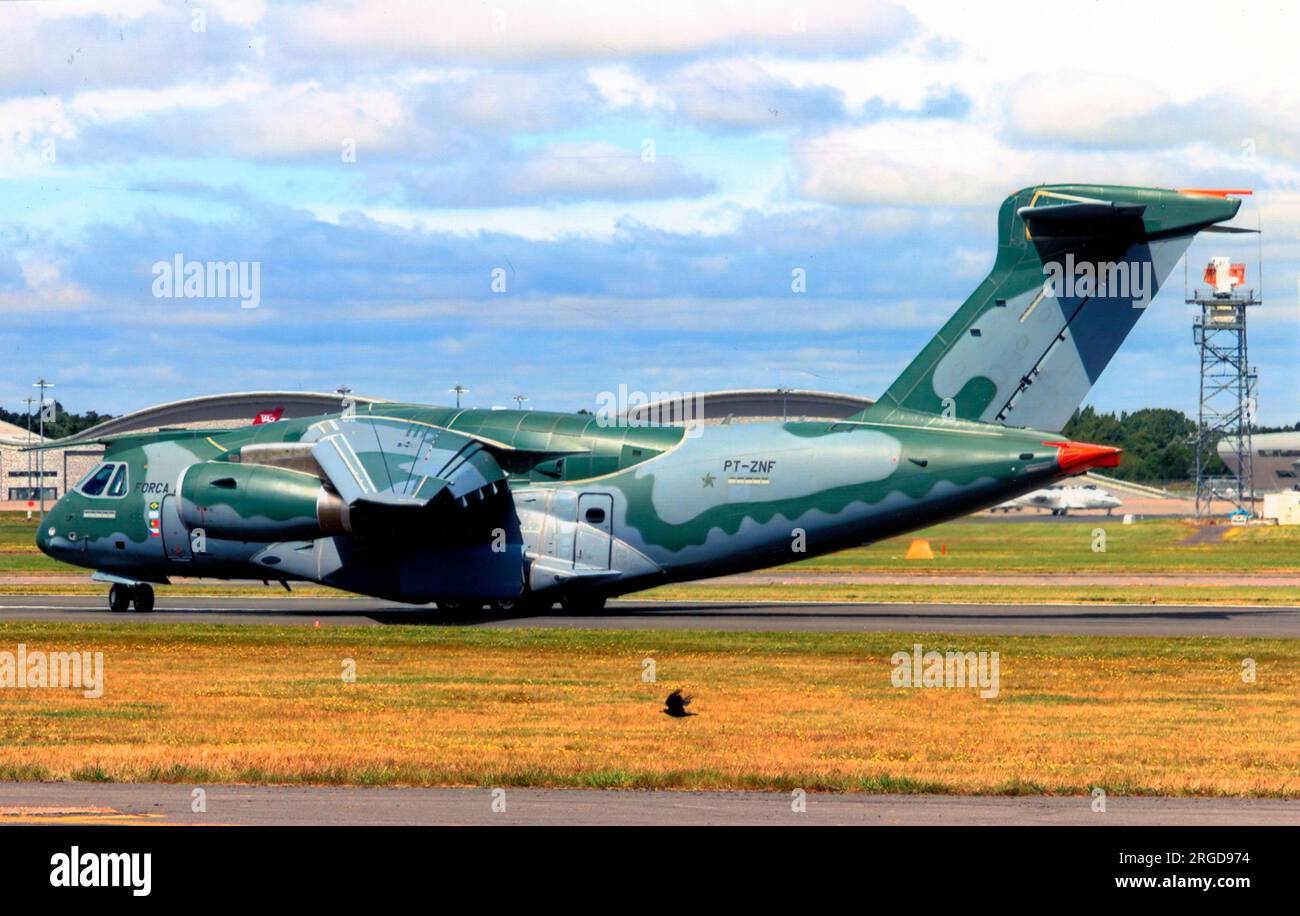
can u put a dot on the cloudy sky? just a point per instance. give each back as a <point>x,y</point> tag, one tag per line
<point>641,178</point>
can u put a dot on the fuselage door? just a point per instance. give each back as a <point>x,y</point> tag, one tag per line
<point>594,537</point>
<point>175,537</point>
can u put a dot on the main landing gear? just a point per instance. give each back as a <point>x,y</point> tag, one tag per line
<point>583,603</point>
<point>578,603</point>
<point>121,597</point>
<point>519,605</point>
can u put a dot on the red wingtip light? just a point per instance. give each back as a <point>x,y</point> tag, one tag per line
<point>1077,457</point>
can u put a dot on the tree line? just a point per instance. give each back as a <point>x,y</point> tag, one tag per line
<point>64,424</point>
<point>1159,443</point>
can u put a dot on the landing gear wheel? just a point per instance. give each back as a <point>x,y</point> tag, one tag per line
<point>142,597</point>
<point>582,603</point>
<point>119,598</point>
<point>507,605</point>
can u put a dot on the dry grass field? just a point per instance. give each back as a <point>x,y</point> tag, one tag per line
<point>456,706</point>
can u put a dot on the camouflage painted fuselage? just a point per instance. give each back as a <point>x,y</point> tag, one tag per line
<point>425,503</point>
<point>529,500</point>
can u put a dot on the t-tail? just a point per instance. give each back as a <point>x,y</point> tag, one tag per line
<point>1076,267</point>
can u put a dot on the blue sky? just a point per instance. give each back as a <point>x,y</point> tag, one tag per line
<point>646,176</point>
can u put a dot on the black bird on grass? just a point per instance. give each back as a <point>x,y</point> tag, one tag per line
<point>676,704</point>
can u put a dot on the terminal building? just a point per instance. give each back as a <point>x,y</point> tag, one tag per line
<point>24,472</point>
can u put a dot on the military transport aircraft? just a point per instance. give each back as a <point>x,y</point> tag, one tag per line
<point>472,507</point>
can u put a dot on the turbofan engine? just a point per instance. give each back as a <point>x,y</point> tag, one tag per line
<point>254,502</point>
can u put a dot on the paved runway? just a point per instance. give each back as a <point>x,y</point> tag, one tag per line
<point>106,803</point>
<point>1010,619</point>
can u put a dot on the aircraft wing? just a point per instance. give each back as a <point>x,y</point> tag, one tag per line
<point>402,464</point>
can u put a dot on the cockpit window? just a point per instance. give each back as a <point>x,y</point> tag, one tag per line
<point>95,482</point>
<point>105,480</point>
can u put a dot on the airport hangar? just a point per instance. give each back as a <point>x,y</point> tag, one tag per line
<point>64,467</point>
<point>1275,461</point>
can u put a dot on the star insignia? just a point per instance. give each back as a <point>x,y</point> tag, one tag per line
<point>707,479</point>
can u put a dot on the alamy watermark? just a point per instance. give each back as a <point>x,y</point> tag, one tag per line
<point>640,409</point>
<point>1100,280</point>
<point>182,279</point>
<point>919,668</point>
<point>35,670</point>
<point>75,868</point>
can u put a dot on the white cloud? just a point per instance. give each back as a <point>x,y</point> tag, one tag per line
<point>517,31</point>
<point>308,118</point>
<point>513,102</point>
<point>243,13</point>
<point>46,290</point>
<point>1108,111</point>
<point>740,93</point>
<point>942,163</point>
<point>620,87</point>
<point>27,120</point>
<point>601,221</point>
<point>908,162</point>
<point>111,105</point>
<point>76,9</point>
<point>597,170</point>
<point>777,316</point>
<point>1079,107</point>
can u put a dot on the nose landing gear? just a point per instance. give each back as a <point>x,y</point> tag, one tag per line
<point>121,597</point>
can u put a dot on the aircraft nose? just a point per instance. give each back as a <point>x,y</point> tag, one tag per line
<point>44,535</point>
<point>48,539</point>
<point>1077,457</point>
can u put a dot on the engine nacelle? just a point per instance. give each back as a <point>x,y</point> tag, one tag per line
<point>254,502</point>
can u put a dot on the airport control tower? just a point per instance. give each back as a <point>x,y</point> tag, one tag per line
<point>1228,387</point>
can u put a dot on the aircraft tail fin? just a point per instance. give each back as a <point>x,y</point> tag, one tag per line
<point>1075,269</point>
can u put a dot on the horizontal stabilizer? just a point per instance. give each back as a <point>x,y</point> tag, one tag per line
<point>1083,220</point>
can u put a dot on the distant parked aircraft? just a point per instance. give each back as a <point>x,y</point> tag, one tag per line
<point>1062,499</point>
